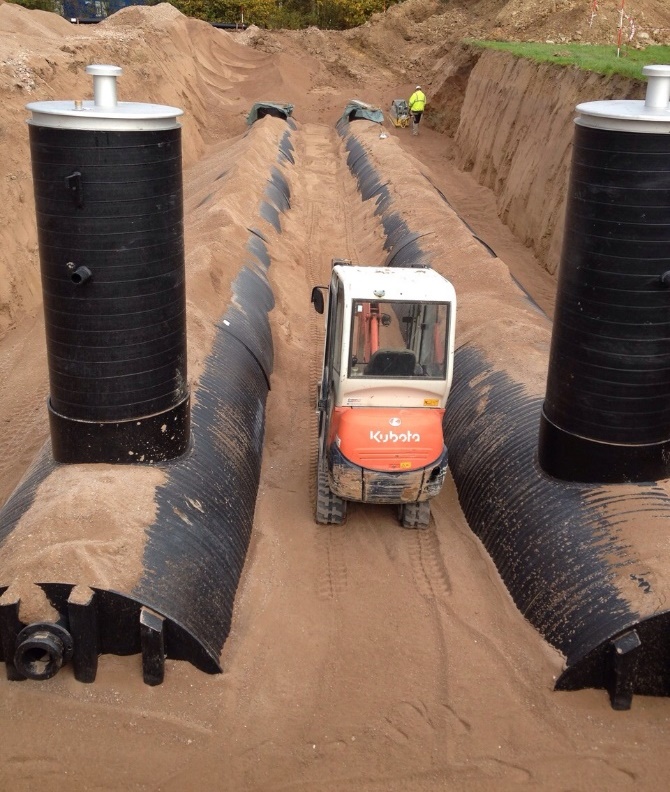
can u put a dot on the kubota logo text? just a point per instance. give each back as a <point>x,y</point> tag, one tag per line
<point>395,437</point>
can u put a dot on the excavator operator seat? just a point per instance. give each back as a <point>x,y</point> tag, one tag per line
<point>391,363</point>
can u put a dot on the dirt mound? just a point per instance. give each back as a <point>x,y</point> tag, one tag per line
<point>159,16</point>
<point>14,19</point>
<point>415,34</point>
<point>644,21</point>
<point>415,40</point>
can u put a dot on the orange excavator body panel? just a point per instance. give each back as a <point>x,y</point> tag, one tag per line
<point>388,438</point>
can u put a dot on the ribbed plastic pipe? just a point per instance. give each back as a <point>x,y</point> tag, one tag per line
<point>585,564</point>
<point>109,206</point>
<point>606,415</point>
<point>181,604</point>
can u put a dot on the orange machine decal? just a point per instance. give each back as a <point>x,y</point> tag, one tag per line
<point>387,438</point>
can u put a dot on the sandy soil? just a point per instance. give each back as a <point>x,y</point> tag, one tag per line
<point>362,657</point>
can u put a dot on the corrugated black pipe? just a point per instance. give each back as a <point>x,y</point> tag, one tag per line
<point>182,604</point>
<point>568,553</point>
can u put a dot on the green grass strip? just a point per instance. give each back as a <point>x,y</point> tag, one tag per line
<point>589,57</point>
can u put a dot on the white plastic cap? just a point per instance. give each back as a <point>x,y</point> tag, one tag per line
<point>658,86</point>
<point>105,112</point>
<point>651,116</point>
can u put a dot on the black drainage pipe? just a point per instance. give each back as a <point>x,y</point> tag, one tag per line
<point>181,605</point>
<point>586,565</point>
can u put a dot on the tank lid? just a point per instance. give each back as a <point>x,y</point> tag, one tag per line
<point>103,112</point>
<point>651,116</point>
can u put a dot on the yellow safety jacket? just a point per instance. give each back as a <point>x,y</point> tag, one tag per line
<point>417,102</point>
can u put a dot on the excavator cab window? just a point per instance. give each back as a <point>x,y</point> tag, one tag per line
<point>400,339</point>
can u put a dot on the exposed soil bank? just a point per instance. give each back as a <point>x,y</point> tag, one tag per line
<point>512,122</point>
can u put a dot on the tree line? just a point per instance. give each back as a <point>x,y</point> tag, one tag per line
<point>278,14</point>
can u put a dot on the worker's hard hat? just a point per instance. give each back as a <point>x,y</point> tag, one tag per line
<point>418,88</point>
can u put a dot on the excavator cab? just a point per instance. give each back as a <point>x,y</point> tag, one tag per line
<point>387,369</point>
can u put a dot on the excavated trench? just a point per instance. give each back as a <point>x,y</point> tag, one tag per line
<point>159,575</point>
<point>585,565</point>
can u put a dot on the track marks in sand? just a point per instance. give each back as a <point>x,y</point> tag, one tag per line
<point>315,273</point>
<point>498,771</point>
<point>409,720</point>
<point>328,225</point>
<point>330,541</point>
<point>428,567</point>
<point>327,190</point>
<point>428,723</point>
<point>35,768</point>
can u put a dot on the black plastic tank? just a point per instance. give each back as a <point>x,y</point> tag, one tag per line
<point>606,414</point>
<point>109,205</point>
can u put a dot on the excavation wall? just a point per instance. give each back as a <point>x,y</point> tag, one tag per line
<point>513,125</point>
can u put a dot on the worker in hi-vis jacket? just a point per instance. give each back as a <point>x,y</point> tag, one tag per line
<point>417,103</point>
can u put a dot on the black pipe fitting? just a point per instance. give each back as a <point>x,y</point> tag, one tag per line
<point>81,275</point>
<point>41,650</point>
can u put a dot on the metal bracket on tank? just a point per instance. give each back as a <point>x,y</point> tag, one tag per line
<point>10,627</point>
<point>73,184</point>
<point>152,638</point>
<point>623,669</point>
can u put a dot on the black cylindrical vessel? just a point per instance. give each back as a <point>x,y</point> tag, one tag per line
<point>606,415</point>
<point>109,204</point>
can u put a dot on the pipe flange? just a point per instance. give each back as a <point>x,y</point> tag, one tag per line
<point>41,650</point>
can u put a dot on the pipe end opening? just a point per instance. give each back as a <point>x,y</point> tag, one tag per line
<point>41,650</point>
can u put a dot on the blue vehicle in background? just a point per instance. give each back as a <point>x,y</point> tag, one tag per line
<point>87,12</point>
<point>91,11</point>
